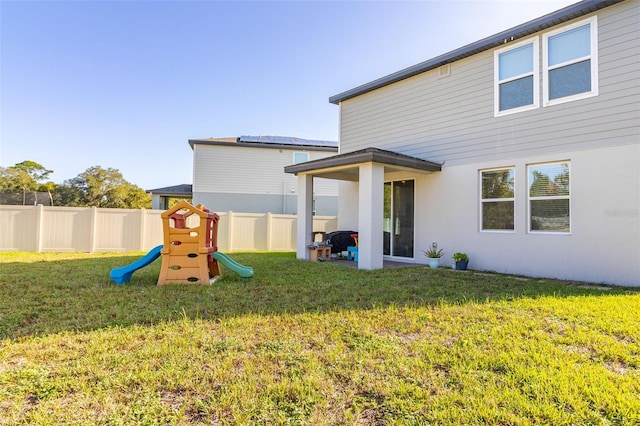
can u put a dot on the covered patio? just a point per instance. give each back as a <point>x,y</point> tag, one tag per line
<point>368,168</point>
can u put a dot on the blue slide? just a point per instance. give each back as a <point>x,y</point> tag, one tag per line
<point>243,271</point>
<point>123,275</point>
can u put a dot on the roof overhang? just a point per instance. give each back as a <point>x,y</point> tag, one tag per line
<point>176,191</point>
<point>345,166</point>
<point>295,144</point>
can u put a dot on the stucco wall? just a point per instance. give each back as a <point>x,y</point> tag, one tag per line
<point>604,243</point>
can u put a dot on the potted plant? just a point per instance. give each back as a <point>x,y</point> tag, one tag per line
<point>433,254</point>
<point>461,261</point>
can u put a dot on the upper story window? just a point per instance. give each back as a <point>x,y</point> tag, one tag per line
<point>497,199</point>
<point>516,74</point>
<point>300,157</point>
<point>569,69</point>
<point>570,62</point>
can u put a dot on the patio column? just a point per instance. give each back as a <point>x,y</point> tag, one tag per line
<point>305,215</point>
<point>370,211</point>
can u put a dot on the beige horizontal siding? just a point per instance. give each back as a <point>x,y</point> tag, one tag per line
<point>243,170</point>
<point>451,119</point>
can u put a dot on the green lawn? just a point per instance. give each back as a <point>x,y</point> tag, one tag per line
<point>311,343</point>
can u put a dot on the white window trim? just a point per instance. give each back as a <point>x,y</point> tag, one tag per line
<point>483,200</point>
<point>535,73</point>
<point>301,153</point>
<point>549,197</point>
<point>594,63</point>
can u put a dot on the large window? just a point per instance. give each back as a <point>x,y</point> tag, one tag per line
<point>549,197</point>
<point>569,69</point>
<point>497,200</point>
<point>516,73</point>
<point>570,62</point>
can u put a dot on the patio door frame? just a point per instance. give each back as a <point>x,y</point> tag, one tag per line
<point>401,221</point>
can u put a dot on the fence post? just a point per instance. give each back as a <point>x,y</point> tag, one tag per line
<point>39,213</point>
<point>92,229</point>
<point>143,222</point>
<point>230,231</point>
<point>269,231</point>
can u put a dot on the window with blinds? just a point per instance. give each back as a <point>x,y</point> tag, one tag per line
<point>570,62</point>
<point>569,69</point>
<point>497,199</point>
<point>516,73</point>
<point>549,194</point>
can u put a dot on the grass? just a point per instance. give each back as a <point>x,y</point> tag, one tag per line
<point>311,343</point>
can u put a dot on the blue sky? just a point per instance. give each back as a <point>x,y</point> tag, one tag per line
<point>125,84</point>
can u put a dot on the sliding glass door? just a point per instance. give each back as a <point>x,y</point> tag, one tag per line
<point>398,218</point>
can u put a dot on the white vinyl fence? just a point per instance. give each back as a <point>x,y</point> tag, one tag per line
<point>90,229</point>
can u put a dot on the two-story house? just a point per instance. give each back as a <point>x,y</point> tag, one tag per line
<point>245,174</point>
<point>521,149</point>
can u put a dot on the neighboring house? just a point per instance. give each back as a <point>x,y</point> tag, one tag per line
<point>245,174</point>
<point>521,149</point>
<point>160,196</point>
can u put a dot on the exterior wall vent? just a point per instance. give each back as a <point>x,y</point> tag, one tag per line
<point>444,71</point>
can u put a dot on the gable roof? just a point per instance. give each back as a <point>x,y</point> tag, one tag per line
<point>279,142</point>
<point>554,18</point>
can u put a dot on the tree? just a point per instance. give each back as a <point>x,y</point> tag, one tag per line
<point>27,176</point>
<point>36,171</point>
<point>99,187</point>
<point>23,183</point>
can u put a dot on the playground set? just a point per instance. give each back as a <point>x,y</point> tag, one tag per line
<point>189,254</point>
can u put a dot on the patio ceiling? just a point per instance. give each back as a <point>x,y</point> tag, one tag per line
<point>345,166</point>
